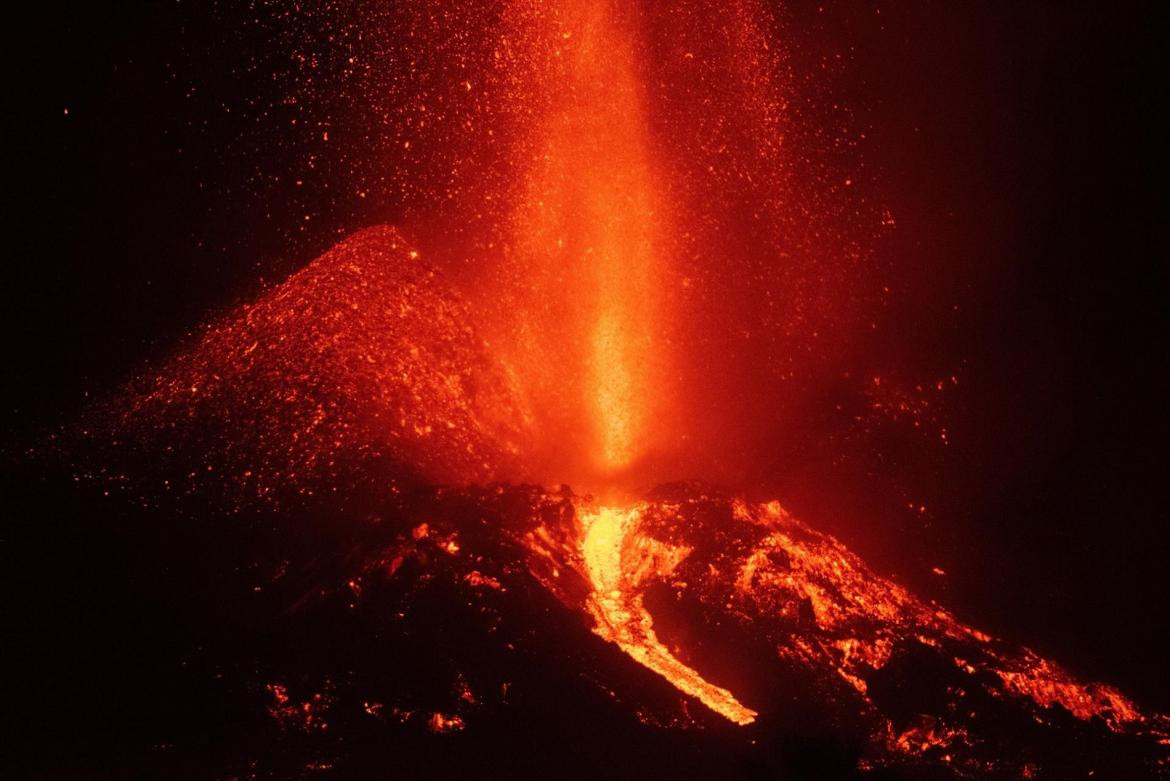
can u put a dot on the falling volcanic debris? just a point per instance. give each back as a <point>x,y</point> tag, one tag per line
<point>653,248</point>
<point>362,356</point>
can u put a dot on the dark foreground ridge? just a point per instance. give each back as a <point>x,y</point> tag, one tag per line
<point>443,632</point>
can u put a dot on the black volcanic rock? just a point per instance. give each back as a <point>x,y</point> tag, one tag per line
<point>429,636</point>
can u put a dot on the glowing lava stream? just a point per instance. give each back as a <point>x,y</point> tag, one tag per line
<point>617,560</point>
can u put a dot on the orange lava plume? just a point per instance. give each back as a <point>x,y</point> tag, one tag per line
<point>584,334</point>
<point>651,235</point>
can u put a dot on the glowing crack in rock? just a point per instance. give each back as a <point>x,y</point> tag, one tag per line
<point>617,560</point>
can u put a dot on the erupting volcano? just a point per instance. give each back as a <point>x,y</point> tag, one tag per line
<point>648,258</point>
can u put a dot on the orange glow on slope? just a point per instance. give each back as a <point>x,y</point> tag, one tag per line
<point>860,617</point>
<point>617,560</point>
<point>818,603</point>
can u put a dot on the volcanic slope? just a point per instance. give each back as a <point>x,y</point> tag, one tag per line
<point>724,599</point>
<point>468,628</point>
<point>690,621</point>
<point>362,357</point>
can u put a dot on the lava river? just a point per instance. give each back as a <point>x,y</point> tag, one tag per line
<point>611,539</point>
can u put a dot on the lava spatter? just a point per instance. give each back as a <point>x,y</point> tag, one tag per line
<point>363,356</point>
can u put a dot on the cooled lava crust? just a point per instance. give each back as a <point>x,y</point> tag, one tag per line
<point>436,632</point>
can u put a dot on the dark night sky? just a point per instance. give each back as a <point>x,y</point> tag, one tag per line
<point>1023,159</point>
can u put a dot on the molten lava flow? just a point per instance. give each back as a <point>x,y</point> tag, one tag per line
<point>747,586</point>
<point>618,559</point>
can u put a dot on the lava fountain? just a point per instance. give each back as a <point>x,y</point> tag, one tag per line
<point>592,224</point>
<point>585,337</point>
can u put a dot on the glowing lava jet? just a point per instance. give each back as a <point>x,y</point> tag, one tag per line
<point>592,221</point>
<point>595,193</point>
<point>585,332</point>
